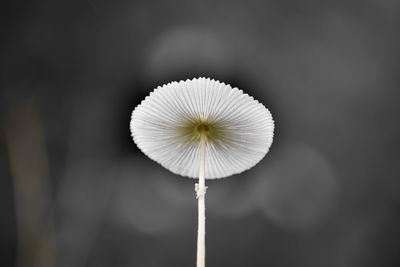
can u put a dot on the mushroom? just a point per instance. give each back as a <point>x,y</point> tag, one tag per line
<point>205,129</point>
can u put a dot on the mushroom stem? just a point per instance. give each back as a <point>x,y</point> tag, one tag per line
<point>201,191</point>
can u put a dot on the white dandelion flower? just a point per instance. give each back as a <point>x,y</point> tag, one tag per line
<point>202,128</point>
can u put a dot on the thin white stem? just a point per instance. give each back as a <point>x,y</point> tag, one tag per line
<point>201,191</point>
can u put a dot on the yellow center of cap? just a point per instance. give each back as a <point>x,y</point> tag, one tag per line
<point>202,128</point>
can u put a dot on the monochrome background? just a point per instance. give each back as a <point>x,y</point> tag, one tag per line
<point>75,191</point>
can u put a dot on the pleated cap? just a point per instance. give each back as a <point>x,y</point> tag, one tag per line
<point>168,124</point>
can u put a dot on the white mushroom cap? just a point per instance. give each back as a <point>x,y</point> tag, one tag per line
<point>167,126</point>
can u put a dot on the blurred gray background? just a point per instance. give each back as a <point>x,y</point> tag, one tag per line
<point>75,191</point>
